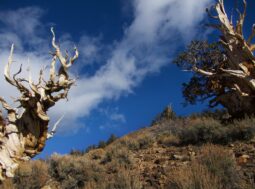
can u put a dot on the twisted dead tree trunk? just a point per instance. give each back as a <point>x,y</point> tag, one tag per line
<point>22,136</point>
<point>236,72</point>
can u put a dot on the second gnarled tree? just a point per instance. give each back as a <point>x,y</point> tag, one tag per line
<point>224,72</point>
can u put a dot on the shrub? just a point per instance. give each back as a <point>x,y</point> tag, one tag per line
<point>70,174</point>
<point>167,114</point>
<point>167,139</point>
<point>195,176</point>
<point>218,114</point>
<point>243,129</point>
<point>91,147</point>
<point>73,172</point>
<point>31,175</point>
<point>134,144</point>
<point>208,130</point>
<point>96,154</point>
<point>76,152</point>
<point>111,139</point>
<point>202,131</point>
<point>118,154</point>
<point>215,168</point>
<point>102,144</point>
<point>220,163</point>
<point>145,142</point>
<point>124,179</point>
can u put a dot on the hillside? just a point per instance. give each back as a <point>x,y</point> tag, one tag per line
<point>194,152</point>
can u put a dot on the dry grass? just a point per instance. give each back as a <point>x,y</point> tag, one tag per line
<point>215,168</point>
<point>221,163</point>
<point>194,176</point>
<point>167,139</point>
<point>31,175</point>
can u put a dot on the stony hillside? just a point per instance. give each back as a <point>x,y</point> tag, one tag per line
<point>194,152</point>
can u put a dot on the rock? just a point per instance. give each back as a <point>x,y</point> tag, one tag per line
<point>192,154</point>
<point>46,187</point>
<point>243,159</point>
<point>178,157</point>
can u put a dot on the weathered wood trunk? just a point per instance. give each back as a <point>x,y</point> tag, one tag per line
<point>23,136</point>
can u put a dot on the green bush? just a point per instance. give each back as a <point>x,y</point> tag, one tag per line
<point>243,129</point>
<point>118,154</point>
<point>102,144</point>
<point>208,130</point>
<point>73,172</point>
<point>167,114</point>
<point>91,147</point>
<point>203,131</point>
<point>111,139</point>
<point>76,152</point>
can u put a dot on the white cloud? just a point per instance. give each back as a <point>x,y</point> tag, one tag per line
<point>118,117</point>
<point>158,28</point>
<point>112,114</point>
<point>25,24</point>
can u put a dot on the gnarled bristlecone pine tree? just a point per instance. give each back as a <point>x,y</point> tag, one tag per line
<point>22,136</point>
<point>238,66</point>
<point>224,71</point>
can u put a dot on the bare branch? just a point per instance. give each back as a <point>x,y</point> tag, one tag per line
<point>13,81</point>
<point>203,72</point>
<point>240,22</point>
<point>249,40</point>
<point>223,18</point>
<point>76,55</point>
<point>19,71</point>
<point>210,14</point>
<point>236,87</point>
<point>53,131</point>
<point>58,52</point>
<point>7,68</point>
<point>237,73</point>
<point>40,80</point>
<point>6,105</point>
<point>31,84</point>
<point>52,69</point>
<point>12,115</point>
<point>61,95</point>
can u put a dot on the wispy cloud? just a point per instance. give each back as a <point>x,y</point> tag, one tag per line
<point>148,43</point>
<point>112,114</point>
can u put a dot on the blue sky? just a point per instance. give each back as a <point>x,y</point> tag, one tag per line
<point>125,73</point>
